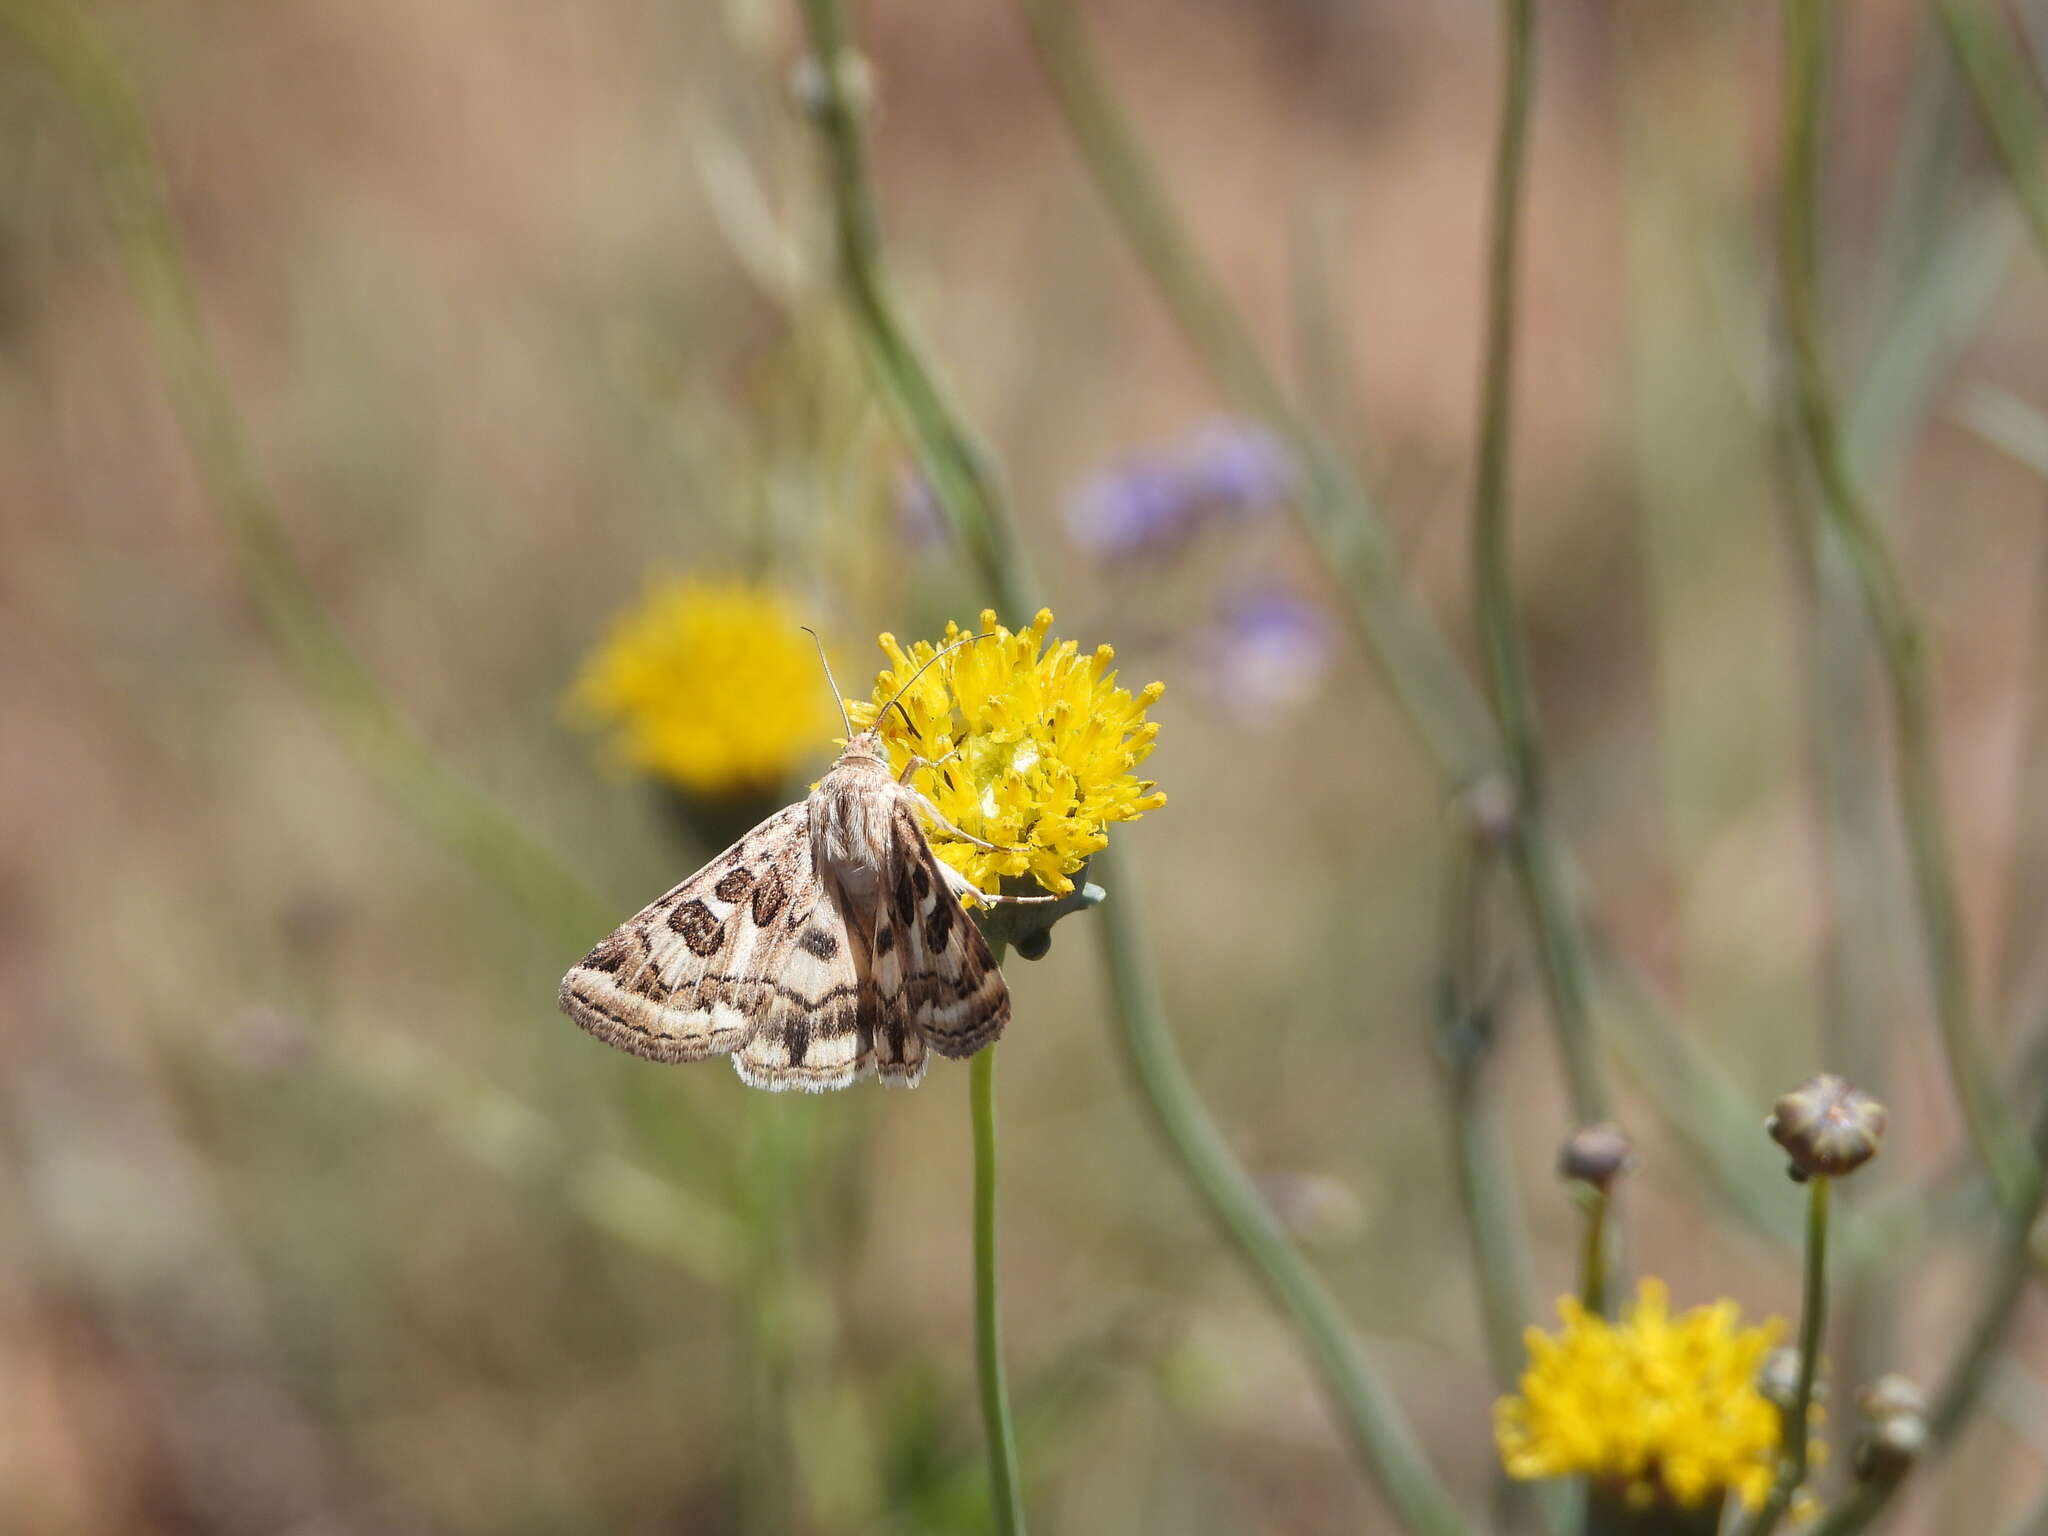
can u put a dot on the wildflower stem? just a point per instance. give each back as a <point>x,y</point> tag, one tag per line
<point>1901,644</point>
<point>946,450</point>
<point>1379,1433</point>
<point>316,654</point>
<point>1813,1316</point>
<point>1422,669</point>
<point>1593,1261</point>
<point>1538,867</point>
<point>1341,516</point>
<point>1962,1382</point>
<point>1005,1489</point>
<point>1992,63</point>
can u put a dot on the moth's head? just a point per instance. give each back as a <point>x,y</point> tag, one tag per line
<point>864,748</point>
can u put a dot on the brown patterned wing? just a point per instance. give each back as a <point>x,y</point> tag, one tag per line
<point>934,976</point>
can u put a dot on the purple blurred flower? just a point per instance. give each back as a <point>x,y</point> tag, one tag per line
<point>1266,652</point>
<point>1153,502</point>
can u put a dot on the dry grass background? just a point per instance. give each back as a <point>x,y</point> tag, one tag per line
<point>523,304</point>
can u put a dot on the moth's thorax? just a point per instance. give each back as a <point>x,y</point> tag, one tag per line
<point>850,814</point>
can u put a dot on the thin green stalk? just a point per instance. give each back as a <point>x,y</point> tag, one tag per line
<point>1362,1401</point>
<point>1994,64</point>
<point>1005,1484</point>
<point>1593,1261</point>
<point>1901,645</point>
<point>953,462</point>
<point>1559,936</point>
<point>1962,1381</point>
<point>1420,665</point>
<point>1463,1034</point>
<point>973,505</point>
<point>1795,1452</point>
<point>1427,679</point>
<point>316,654</point>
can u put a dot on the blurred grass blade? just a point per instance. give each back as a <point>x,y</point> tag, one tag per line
<point>316,654</point>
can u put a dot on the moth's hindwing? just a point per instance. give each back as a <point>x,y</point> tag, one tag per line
<point>934,972</point>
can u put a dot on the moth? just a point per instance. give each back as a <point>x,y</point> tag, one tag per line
<point>826,945</point>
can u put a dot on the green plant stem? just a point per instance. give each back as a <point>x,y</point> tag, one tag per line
<point>1962,1381</point>
<point>1379,1433</point>
<point>1463,1037</point>
<point>1993,63</point>
<point>1593,1258</point>
<point>1340,516</point>
<point>1901,646</point>
<point>1538,870</point>
<point>1795,1452</point>
<point>316,654</point>
<point>1005,1484</point>
<point>1373,1420</point>
<point>954,464</point>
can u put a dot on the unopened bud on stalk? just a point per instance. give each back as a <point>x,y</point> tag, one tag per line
<point>1778,1378</point>
<point>1897,1432</point>
<point>1597,1155</point>
<point>1828,1127</point>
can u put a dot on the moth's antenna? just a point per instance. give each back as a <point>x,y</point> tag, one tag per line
<point>895,699</point>
<point>837,697</point>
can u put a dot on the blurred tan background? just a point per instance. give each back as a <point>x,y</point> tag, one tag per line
<point>316,1217</point>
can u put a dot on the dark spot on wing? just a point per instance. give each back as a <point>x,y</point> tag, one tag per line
<point>769,896</point>
<point>906,898</point>
<point>796,1039</point>
<point>610,956</point>
<point>734,886</point>
<point>700,930</point>
<point>938,928</point>
<point>885,938</point>
<point>892,1035</point>
<point>923,878</point>
<point>817,941</point>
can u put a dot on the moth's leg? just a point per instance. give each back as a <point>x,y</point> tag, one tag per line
<point>961,886</point>
<point>939,820</point>
<point>917,762</point>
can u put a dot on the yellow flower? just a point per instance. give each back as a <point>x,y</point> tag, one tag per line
<point>1040,748</point>
<point>713,687</point>
<point>1661,1410</point>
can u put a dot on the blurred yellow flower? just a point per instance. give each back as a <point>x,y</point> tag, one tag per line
<point>711,686</point>
<point>1046,746</point>
<point>1661,1410</point>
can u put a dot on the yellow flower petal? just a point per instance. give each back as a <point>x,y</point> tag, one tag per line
<point>1664,1407</point>
<point>1041,747</point>
<point>713,687</point>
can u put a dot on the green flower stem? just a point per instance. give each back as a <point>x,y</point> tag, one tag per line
<point>1902,650</point>
<point>1813,1317</point>
<point>317,656</point>
<point>1538,869</point>
<point>975,510</point>
<point>1367,1409</point>
<point>953,462</point>
<point>1993,64</point>
<point>1593,1258</point>
<point>1005,1485</point>
<point>1463,1030</point>
<point>1420,665</point>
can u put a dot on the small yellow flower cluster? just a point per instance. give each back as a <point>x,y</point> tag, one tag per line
<point>1664,1410</point>
<point>1039,747</point>
<point>713,687</point>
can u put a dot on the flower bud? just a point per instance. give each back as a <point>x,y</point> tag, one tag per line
<point>1828,1127</point>
<point>1597,1155</point>
<point>1897,1433</point>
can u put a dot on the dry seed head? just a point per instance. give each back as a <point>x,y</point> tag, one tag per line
<point>1829,1127</point>
<point>1597,1155</point>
